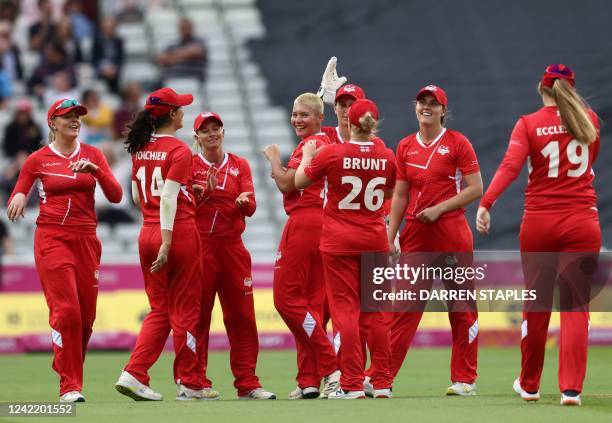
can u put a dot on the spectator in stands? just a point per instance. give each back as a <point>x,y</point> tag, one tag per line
<point>54,60</point>
<point>107,53</point>
<point>82,28</point>
<point>65,36</point>
<point>187,57</point>
<point>60,88</point>
<point>129,107</point>
<point>22,134</point>
<point>45,29</point>
<point>99,118</point>
<point>10,58</point>
<point>9,10</point>
<point>113,213</point>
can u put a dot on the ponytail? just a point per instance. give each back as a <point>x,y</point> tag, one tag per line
<point>367,127</point>
<point>573,110</point>
<point>141,129</point>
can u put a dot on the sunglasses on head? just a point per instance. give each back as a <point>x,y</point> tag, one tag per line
<point>66,104</point>
<point>156,101</point>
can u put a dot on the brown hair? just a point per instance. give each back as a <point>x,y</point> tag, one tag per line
<point>573,110</point>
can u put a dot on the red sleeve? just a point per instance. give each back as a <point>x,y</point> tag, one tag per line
<point>466,158</point>
<point>296,157</point>
<point>319,165</point>
<point>401,174</point>
<point>246,185</point>
<point>180,165</point>
<point>393,169</point>
<point>104,175</point>
<point>511,165</point>
<point>27,176</point>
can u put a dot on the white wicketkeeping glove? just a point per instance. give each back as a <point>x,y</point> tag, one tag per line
<point>330,82</point>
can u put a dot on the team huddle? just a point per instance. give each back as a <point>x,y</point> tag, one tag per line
<point>345,194</point>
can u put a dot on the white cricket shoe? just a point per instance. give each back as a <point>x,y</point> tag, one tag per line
<point>570,400</point>
<point>524,394</point>
<point>72,396</point>
<point>383,393</point>
<point>368,388</point>
<point>310,392</point>
<point>131,387</point>
<point>341,394</point>
<point>258,394</point>
<point>463,389</point>
<point>331,383</point>
<point>206,394</point>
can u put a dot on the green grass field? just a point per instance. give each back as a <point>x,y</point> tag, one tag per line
<point>418,392</point>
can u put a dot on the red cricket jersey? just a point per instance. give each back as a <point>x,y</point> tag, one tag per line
<point>217,216</point>
<point>434,171</point>
<point>66,197</point>
<point>314,195</point>
<point>560,167</point>
<point>163,157</point>
<point>358,174</point>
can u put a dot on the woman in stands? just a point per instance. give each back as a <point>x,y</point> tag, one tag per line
<point>225,196</point>
<point>299,291</point>
<point>561,142</point>
<point>66,249</point>
<point>431,166</point>
<point>352,224</point>
<point>169,248</point>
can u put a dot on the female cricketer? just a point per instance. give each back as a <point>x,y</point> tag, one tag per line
<point>66,249</point>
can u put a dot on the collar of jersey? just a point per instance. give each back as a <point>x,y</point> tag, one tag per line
<point>223,163</point>
<point>74,153</point>
<point>420,140</point>
<point>361,142</point>
<point>339,134</point>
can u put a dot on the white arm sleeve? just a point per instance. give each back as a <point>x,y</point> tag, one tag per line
<point>135,195</point>
<point>167,204</point>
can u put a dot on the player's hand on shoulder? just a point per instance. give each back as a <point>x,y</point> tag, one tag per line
<point>429,215</point>
<point>483,221</point>
<point>271,152</point>
<point>83,166</point>
<point>243,198</point>
<point>16,208</point>
<point>310,148</point>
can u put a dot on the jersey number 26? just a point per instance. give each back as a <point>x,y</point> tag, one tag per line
<point>373,197</point>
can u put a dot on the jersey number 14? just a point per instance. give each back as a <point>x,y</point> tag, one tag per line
<point>157,182</point>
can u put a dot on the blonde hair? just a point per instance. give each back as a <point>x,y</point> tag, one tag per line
<point>367,126</point>
<point>573,110</point>
<point>310,100</point>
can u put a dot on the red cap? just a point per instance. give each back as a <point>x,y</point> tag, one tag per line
<point>359,108</point>
<point>203,117</point>
<point>64,106</point>
<point>436,91</point>
<point>558,71</point>
<point>352,90</point>
<point>165,99</point>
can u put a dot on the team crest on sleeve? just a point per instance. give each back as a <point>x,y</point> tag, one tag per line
<point>234,171</point>
<point>248,282</point>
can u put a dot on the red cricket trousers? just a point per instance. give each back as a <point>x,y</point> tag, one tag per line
<point>299,294</point>
<point>570,233</point>
<point>228,274</point>
<point>174,294</point>
<point>67,263</point>
<point>445,235</point>
<point>352,326</point>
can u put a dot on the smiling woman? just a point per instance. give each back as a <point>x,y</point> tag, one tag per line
<point>66,249</point>
<point>432,163</point>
